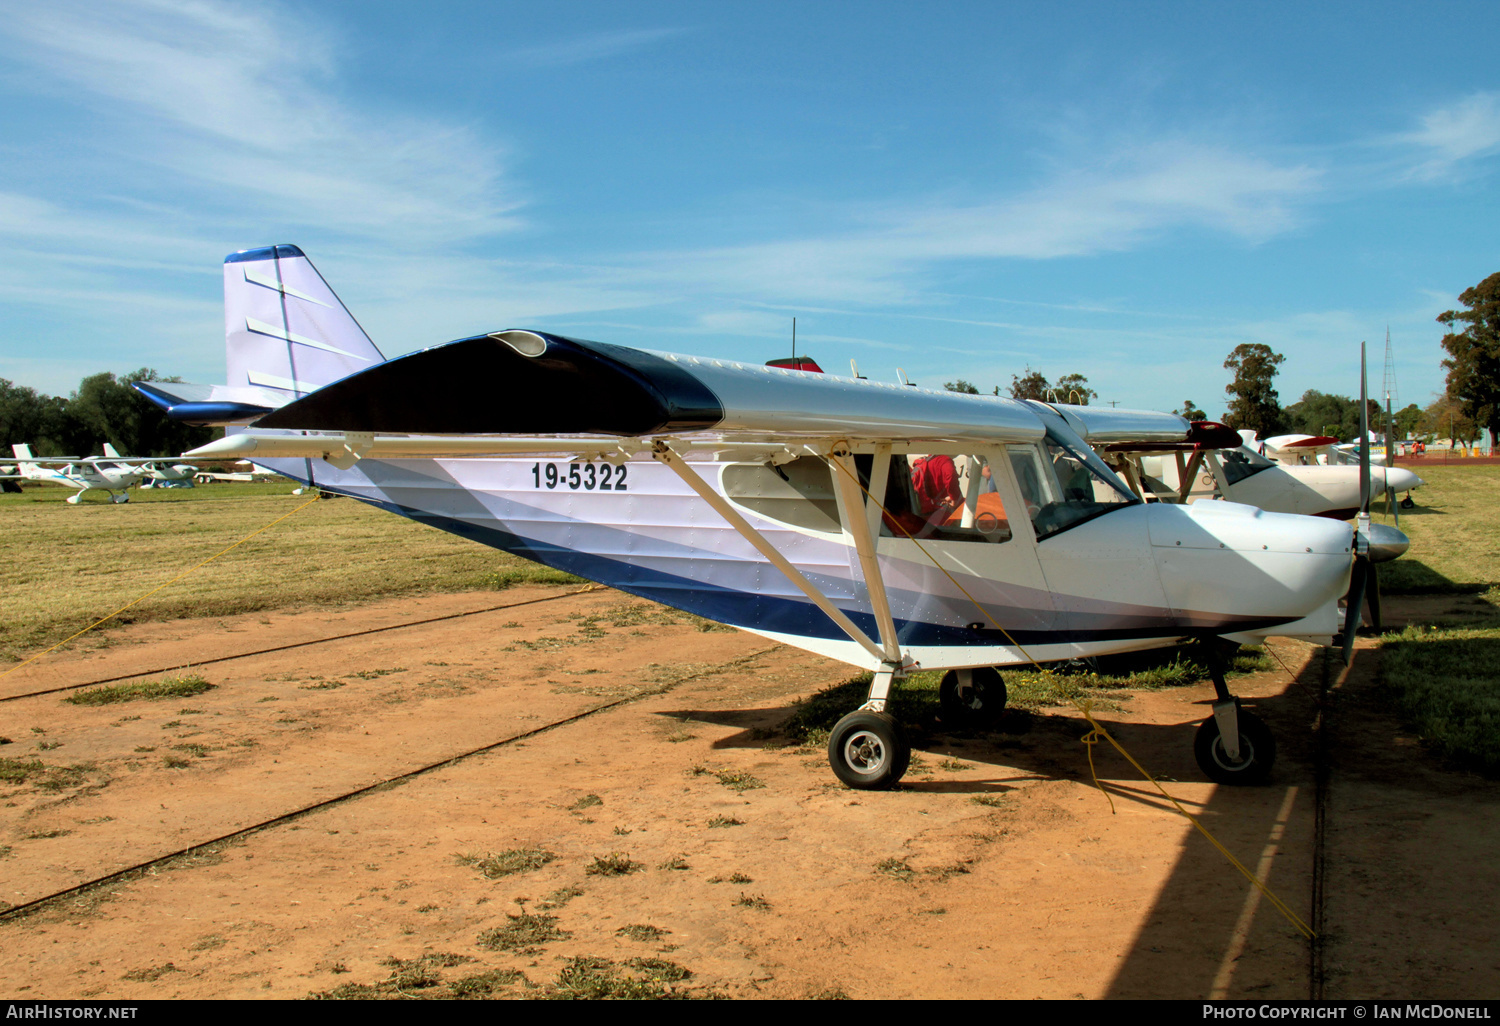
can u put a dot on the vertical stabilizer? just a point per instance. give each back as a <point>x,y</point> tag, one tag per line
<point>21,451</point>
<point>284,328</point>
<point>112,452</point>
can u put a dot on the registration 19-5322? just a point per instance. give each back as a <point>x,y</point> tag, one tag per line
<point>603,476</point>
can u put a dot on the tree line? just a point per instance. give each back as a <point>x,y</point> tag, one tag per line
<point>1072,389</point>
<point>103,409</point>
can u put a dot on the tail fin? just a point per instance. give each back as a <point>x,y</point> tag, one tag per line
<point>112,452</point>
<point>284,328</point>
<point>21,451</point>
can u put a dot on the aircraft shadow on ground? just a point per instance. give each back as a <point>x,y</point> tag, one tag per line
<point>1202,920</point>
<point>1407,576</point>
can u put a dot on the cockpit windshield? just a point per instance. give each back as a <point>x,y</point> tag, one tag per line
<point>1241,463</point>
<point>1065,484</point>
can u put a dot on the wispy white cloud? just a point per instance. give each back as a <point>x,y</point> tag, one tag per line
<point>590,48</point>
<point>240,103</point>
<point>1451,136</point>
<point>1135,197</point>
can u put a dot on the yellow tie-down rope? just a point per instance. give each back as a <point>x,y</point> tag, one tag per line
<point>159,587</point>
<point>1091,738</point>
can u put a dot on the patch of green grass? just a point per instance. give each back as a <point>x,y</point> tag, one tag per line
<point>1446,684</point>
<point>644,932</point>
<point>484,984</point>
<point>738,780</point>
<point>898,868</point>
<point>613,864</point>
<point>588,801</point>
<point>990,800</point>
<point>755,901</point>
<point>676,862</point>
<point>527,573</point>
<point>523,934</point>
<point>167,687</point>
<point>44,777</point>
<point>497,864</point>
<point>591,978</point>
<point>150,974</point>
<point>719,822</point>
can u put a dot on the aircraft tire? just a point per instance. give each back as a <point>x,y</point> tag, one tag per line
<point>868,751</point>
<point>976,707</point>
<point>1257,752</point>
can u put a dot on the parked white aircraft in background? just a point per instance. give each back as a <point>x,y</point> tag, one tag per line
<point>158,473</point>
<point>93,473</point>
<point>782,502</point>
<point>1187,472</point>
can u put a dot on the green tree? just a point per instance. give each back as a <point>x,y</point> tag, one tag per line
<point>1190,411</point>
<point>1074,389</point>
<point>1473,362</point>
<point>1253,402</point>
<point>961,386</point>
<point>1407,421</point>
<point>1032,386</point>
<point>1445,418</point>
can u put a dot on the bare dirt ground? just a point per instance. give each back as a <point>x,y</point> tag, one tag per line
<point>997,870</point>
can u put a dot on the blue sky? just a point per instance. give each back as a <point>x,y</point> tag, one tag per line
<point>1124,190</point>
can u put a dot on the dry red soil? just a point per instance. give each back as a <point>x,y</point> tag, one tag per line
<point>603,726</point>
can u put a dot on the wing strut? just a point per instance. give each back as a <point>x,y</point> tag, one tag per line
<point>847,481</point>
<point>664,454</point>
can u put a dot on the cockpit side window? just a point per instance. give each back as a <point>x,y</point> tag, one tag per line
<point>799,493</point>
<point>1239,464</point>
<point>946,498</point>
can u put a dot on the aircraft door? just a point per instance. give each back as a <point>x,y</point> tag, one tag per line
<point>955,509</point>
<point>1094,545</point>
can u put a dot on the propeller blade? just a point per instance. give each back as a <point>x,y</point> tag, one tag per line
<point>1372,596</point>
<point>1364,434</point>
<point>1354,605</point>
<point>1393,505</point>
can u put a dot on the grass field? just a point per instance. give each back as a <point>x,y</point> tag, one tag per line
<point>63,567</point>
<point>1444,676</point>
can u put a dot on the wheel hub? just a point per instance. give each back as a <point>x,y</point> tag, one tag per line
<point>864,751</point>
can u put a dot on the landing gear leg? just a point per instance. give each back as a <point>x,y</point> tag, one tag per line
<point>868,749</point>
<point>1232,746</point>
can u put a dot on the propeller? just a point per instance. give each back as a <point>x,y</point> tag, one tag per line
<point>1372,544</point>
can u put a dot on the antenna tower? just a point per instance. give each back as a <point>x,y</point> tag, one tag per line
<point>1389,386</point>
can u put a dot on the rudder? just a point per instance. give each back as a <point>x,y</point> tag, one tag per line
<point>284,329</point>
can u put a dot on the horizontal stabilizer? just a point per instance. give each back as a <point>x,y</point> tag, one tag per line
<point>209,404</point>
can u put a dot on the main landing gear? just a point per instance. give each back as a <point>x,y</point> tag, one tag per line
<point>972,699</point>
<point>869,750</point>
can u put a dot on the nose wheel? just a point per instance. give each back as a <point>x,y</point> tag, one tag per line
<point>869,751</point>
<point>1251,764</point>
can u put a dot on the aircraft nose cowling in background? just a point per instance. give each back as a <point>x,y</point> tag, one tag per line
<point>1285,568</point>
<point>1400,479</point>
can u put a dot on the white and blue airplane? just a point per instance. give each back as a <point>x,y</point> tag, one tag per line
<point>780,501</point>
<point>86,474</point>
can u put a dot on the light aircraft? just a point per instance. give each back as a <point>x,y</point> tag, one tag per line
<point>779,501</point>
<point>157,473</point>
<point>1211,467</point>
<point>92,473</point>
